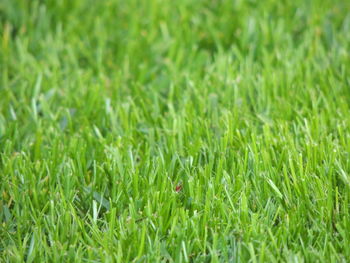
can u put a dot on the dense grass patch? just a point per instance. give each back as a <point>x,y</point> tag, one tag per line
<point>174,131</point>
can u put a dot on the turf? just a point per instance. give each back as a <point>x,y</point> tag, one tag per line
<point>174,131</point>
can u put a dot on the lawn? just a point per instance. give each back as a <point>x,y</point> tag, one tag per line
<point>174,131</point>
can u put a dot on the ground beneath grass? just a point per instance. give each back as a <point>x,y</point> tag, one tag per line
<point>174,131</point>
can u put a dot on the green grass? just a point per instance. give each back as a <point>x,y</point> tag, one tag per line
<point>174,131</point>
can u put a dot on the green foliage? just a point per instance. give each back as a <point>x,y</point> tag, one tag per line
<point>174,131</point>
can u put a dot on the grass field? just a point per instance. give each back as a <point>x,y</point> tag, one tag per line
<point>174,131</point>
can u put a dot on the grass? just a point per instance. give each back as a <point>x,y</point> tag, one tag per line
<point>174,131</point>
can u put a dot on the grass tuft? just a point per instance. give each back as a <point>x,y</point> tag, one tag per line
<point>174,131</point>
